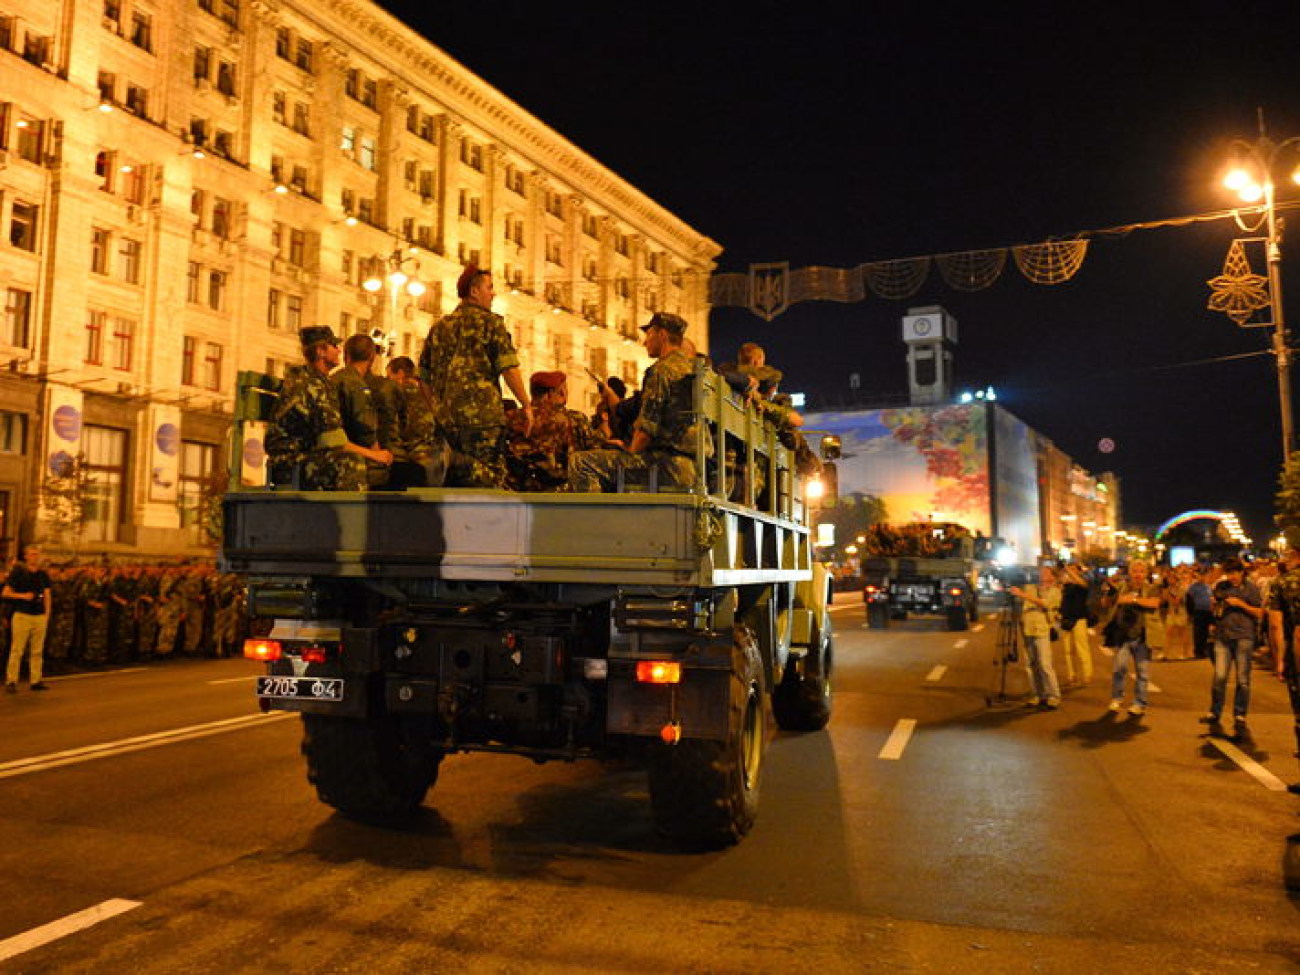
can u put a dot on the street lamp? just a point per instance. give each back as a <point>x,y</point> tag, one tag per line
<point>1251,178</point>
<point>400,277</point>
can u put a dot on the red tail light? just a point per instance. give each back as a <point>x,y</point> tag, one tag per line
<point>262,649</point>
<point>314,654</point>
<point>658,672</point>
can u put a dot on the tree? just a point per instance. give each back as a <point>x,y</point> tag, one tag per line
<point>1288,501</point>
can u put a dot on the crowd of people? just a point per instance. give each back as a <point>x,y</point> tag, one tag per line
<point>1241,616</point>
<point>102,614</point>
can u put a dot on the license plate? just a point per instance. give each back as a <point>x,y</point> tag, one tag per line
<point>300,688</point>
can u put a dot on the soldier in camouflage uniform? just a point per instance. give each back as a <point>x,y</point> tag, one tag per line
<point>1283,621</point>
<point>666,432</point>
<point>359,408</point>
<point>464,356</point>
<point>539,460</point>
<point>121,614</point>
<point>63,614</point>
<point>92,593</point>
<point>227,601</point>
<point>305,439</point>
<point>421,457</point>
<point>193,592</point>
<point>170,608</point>
<point>146,611</point>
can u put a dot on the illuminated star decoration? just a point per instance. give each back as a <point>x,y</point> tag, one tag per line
<point>1238,292</point>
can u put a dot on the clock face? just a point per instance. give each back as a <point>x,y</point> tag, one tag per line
<point>922,326</point>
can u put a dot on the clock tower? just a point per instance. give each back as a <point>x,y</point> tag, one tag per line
<point>931,335</point>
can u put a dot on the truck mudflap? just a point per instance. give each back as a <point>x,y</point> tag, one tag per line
<point>696,707</point>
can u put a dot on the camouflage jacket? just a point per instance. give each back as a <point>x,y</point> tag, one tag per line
<point>667,411</point>
<point>463,357</point>
<point>306,417</point>
<point>1284,598</point>
<point>415,417</point>
<point>386,396</point>
<point>357,407</point>
<point>539,461</point>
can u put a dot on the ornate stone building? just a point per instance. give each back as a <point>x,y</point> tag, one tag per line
<point>183,183</point>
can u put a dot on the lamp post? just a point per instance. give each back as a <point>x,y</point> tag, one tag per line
<point>399,276</point>
<point>1252,179</point>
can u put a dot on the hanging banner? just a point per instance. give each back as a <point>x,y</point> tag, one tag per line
<point>252,465</point>
<point>164,451</point>
<point>63,431</point>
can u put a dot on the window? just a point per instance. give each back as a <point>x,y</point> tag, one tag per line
<point>137,100</point>
<point>471,155</point>
<point>188,353</point>
<point>426,184</point>
<point>123,337</point>
<point>107,84</point>
<point>216,290</point>
<point>410,174</point>
<point>13,433</point>
<point>283,43</point>
<point>30,138</point>
<point>222,214</point>
<point>132,182</point>
<point>293,312</point>
<point>368,157</point>
<point>369,93</point>
<point>113,15</point>
<point>104,449</point>
<point>280,107</point>
<point>229,12</point>
<point>95,322</point>
<point>303,54</point>
<point>555,204</point>
<point>366,210</point>
<point>591,225</point>
<point>277,237</point>
<point>298,180</point>
<point>302,118</point>
<point>198,461</point>
<point>128,260</point>
<point>22,225</point>
<point>273,309</point>
<point>277,168</point>
<point>36,49</point>
<point>199,131</point>
<point>192,282</point>
<point>223,144</point>
<point>515,180</point>
<point>554,250</point>
<point>198,200</point>
<point>100,241</point>
<point>142,30</point>
<point>297,247</point>
<point>348,141</point>
<point>212,366</point>
<point>202,63</point>
<point>15,328</point>
<point>226,79</point>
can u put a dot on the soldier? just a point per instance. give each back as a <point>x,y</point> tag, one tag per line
<point>464,356</point>
<point>539,460</point>
<point>121,614</point>
<point>170,608</point>
<point>360,410</point>
<point>423,453</point>
<point>92,593</point>
<point>192,589</point>
<point>146,611</point>
<point>666,432</point>
<point>227,600</point>
<point>305,442</point>
<point>63,618</point>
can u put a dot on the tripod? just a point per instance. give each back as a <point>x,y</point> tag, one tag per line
<point>1008,648</point>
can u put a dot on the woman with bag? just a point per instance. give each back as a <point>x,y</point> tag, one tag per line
<point>1076,644</point>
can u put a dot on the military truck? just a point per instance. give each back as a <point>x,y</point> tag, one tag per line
<point>919,569</point>
<point>657,624</point>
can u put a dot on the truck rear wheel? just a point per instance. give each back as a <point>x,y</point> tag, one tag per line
<point>802,701</point>
<point>372,768</point>
<point>705,793</point>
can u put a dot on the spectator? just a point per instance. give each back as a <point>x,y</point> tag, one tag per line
<point>1038,604</point>
<point>1132,603</point>
<point>27,593</point>
<point>1075,641</point>
<point>1237,611</point>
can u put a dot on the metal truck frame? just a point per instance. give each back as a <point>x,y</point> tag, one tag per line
<point>660,624</point>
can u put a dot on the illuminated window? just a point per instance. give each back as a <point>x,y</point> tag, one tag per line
<point>100,242</point>
<point>104,449</point>
<point>16,326</point>
<point>123,340</point>
<point>95,323</point>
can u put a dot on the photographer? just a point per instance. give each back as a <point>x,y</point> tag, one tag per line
<point>1038,605</point>
<point>1237,611</point>
<point>1136,605</point>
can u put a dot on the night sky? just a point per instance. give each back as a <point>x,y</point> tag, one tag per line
<point>836,135</point>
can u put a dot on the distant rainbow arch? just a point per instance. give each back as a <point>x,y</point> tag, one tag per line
<point>1187,516</point>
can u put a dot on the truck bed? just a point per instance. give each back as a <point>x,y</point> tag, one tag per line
<point>486,535</point>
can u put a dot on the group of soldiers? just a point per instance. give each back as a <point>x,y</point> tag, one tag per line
<point>117,614</point>
<point>339,425</point>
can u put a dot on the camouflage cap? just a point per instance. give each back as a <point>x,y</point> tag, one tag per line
<point>766,375</point>
<point>312,334</point>
<point>670,323</point>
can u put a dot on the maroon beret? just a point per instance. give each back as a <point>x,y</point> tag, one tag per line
<point>547,380</point>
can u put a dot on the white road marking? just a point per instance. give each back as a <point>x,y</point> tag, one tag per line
<point>234,680</point>
<point>977,627</point>
<point>898,739</point>
<point>97,673</point>
<point>840,607</point>
<point>1248,765</point>
<point>959,644</point>
<point>64,926</point>
<point>937,673</point>
<point>74,756</point>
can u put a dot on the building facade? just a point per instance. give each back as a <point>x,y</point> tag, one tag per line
<point>185,183</point>
<point>1080,510</point>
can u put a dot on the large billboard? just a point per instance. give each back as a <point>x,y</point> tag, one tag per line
<point>931,463</point>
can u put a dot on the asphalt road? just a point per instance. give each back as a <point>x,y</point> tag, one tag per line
<point>152,822</point>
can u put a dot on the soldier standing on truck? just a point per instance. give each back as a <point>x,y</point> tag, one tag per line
<point>359,407</point>
<point>306,433</point>
<point>464,356</point>
<point>666,431</point>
